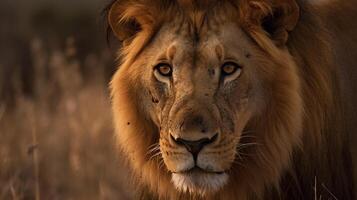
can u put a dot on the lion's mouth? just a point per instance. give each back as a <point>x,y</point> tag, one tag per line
<point>198,169</point>
<point>199,181</point>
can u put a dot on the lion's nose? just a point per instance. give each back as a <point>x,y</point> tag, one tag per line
<point>194,147</point>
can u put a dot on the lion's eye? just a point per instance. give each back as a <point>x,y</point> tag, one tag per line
<point>164,69</point>
<point>230,68</point>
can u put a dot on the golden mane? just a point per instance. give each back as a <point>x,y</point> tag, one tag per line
<point>322,163</point>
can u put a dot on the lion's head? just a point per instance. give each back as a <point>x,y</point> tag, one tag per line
<point>208,97</point>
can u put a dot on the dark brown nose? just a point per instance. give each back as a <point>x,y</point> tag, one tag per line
<point>194,147</point>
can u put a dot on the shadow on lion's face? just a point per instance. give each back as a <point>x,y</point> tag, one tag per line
<point>203,90</point>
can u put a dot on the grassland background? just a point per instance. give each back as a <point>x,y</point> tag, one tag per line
<point>56,135</point>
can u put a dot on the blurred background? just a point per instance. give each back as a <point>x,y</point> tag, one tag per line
<point>56,135</point>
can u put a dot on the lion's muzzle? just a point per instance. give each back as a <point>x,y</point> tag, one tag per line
<point>194,147</point>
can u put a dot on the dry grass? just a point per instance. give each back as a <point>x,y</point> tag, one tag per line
<point>57,144</point>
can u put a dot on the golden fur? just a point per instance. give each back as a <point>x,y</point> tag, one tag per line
<point>291,108</point>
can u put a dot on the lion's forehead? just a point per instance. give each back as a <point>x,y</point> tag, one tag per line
<point>207,48</point>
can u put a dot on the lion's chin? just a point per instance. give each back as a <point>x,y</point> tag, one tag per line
<point>199,182</point>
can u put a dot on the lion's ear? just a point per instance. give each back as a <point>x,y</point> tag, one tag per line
<point>276,17</point>
<point>126,19</point>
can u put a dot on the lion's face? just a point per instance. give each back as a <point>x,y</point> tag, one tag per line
<point>201,93</point>
<point>217,105</point>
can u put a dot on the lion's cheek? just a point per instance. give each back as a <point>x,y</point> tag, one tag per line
<point>215,161</point>
<point>177,162</point>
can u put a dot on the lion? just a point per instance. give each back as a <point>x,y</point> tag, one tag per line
<point>236,99</point>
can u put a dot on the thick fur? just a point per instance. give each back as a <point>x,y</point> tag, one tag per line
<point>309,103</point>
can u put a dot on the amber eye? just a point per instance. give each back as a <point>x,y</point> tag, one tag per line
<point>230,68</point>
<point>164,69</point>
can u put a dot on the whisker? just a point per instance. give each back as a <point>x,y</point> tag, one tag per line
<point>238,154</point>
<point>248,144</point>
<point>155,155</point>
<point>245,154</point>
<point>242,156</point>
<point>241,147</point>
<point>239,163</point>
<point>162,164</point>
<point>156,144</point>
<point>152,148</point>
<point>247,136</point>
